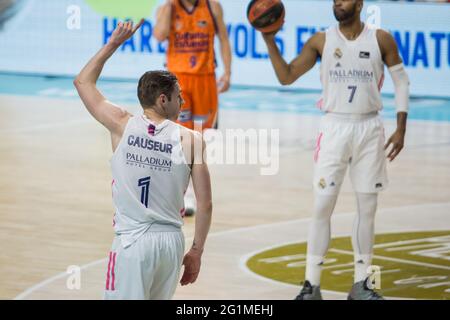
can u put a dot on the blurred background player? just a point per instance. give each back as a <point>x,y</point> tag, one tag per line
<point>151,167</point>
<point>351,132</point>
<point>190,27</point>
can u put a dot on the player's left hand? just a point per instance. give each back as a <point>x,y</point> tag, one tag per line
<point>124,31</point>
<point>191,262</point>
<point>397,140</point>
<point>224,83</point>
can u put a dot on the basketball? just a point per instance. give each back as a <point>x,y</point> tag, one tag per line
<point>266,15</point>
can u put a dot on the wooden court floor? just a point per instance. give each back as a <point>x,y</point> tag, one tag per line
<point>56,211</point>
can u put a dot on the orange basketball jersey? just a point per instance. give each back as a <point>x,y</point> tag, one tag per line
<point>191,40</point>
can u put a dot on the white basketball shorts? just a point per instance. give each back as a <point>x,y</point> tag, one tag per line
<point>149,269</point>
<point>354,141</point>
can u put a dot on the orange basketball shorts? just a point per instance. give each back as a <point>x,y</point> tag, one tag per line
<point>201,100</point>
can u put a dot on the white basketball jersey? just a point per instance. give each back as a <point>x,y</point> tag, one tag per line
<point>150,177</point>
<point>351,72</point>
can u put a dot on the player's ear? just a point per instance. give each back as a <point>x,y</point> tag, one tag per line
<point>360,5</point>
<point>162,98</point>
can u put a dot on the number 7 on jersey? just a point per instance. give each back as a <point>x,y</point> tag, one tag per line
<point>352,94</point>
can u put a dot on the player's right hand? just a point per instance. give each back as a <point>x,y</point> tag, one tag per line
<point>123,32</point>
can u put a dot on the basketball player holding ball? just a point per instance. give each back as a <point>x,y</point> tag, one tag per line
<point>351,134</point>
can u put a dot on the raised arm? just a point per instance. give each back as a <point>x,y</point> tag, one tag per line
<point>289,73</point>
<point>391,58</point>
<point>111,116</point>
<point>202,188</point>
<point>225,48</point>
<point>161,30</point>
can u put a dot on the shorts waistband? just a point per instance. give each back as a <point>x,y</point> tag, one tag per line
<point>351,116</point>
<point>163,227</point>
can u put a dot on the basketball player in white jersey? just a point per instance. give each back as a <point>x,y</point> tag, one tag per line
<point>153,160</point>
<point>351,135</point>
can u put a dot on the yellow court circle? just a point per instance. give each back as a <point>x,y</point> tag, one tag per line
<point>411,264</point>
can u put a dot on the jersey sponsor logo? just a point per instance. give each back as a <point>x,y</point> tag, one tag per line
<point>410,264</point>
<point>149,144</point>
<point>188,41</point>
<point>350,75</point>
<point>364,55</point>
<point>140,160</point>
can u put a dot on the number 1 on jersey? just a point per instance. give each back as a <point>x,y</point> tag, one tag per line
<point>144,183</point>
<point>352,95</point>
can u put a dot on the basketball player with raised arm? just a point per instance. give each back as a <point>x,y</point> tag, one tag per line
<point>351,134</point>
<point>190,26</point>
<point>153,160</point>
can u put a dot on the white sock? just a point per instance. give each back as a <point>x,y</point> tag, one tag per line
<point>364,233</point>
<point>319,236</point>
<point>313,269</point>
<point>362,263</point>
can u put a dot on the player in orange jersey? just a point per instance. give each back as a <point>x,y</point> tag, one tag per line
<point>191,26</point>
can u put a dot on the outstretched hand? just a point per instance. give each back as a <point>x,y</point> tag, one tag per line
<point>124,31</point>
